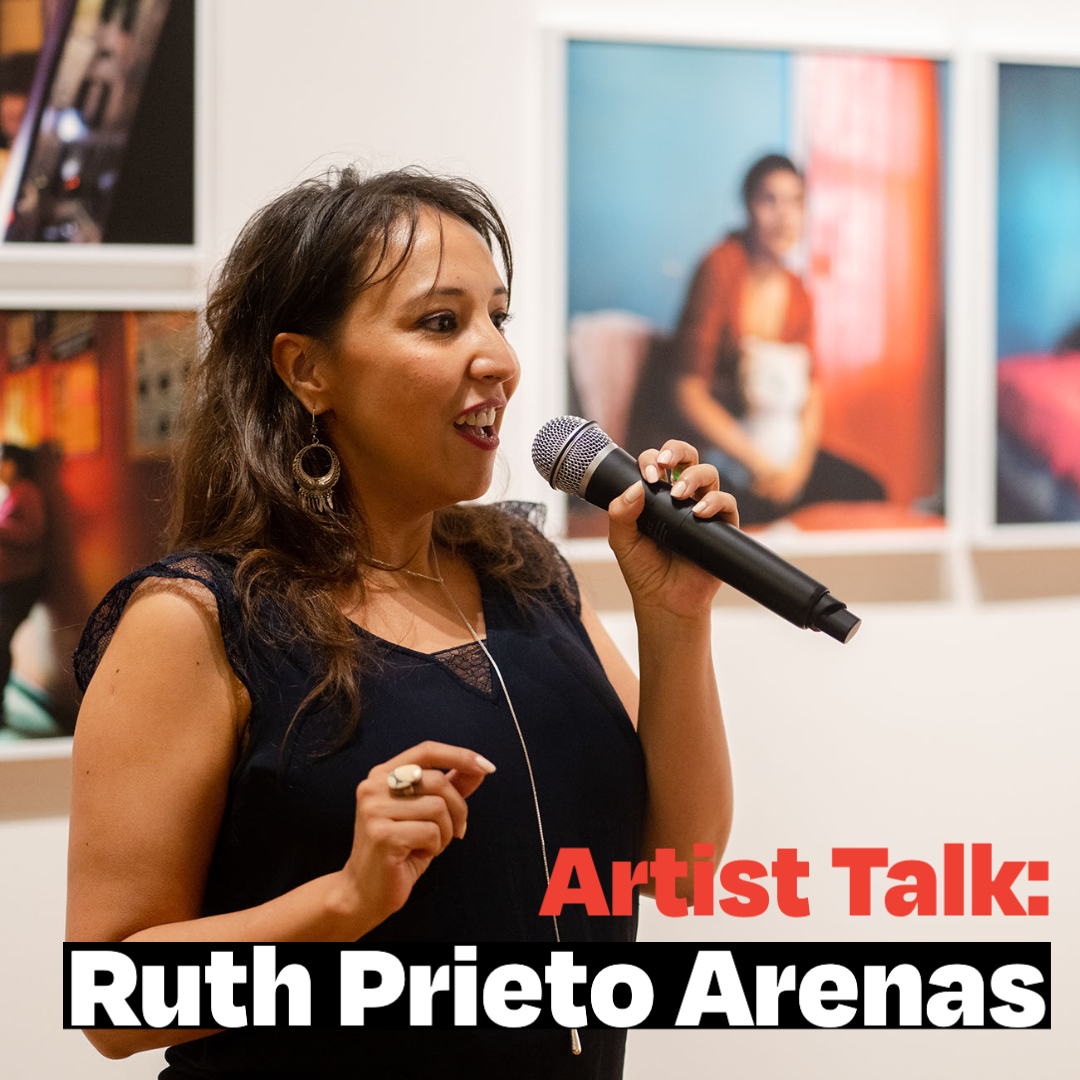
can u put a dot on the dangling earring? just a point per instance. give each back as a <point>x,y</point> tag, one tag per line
<point>316,492</point>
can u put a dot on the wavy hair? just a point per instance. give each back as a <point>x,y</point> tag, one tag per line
<point>297,266</point>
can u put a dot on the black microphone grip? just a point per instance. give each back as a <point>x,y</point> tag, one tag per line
<point>724,550</point>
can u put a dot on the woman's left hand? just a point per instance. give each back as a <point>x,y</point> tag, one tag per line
<point>660,580</point>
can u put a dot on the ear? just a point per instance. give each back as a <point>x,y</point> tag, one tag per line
<point>298,362</point>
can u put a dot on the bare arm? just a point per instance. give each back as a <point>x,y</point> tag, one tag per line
<point>157,737</point>
<point>156,740</point>
<point>676,709</point>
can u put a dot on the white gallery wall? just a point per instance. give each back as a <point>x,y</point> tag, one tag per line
<point>952,718</point>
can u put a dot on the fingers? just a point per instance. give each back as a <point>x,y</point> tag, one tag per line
<point>437,755</point>
<point>675,455</point>
<point>695,481</point>
<point>623,512</point>
<point>438,800</point>
<point>440,807</point>
<point>402,838</point>
<point>464,783</point>
<point>429,808</point>
<point>718,504</point>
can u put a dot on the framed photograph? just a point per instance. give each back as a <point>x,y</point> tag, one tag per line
<point>83,475</point>
<point>1037,362</point>
<point>105,142</point>
<point>104,149</point>
<point>755,262</point>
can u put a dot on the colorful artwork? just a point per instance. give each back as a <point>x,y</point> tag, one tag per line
<point>101,148</point>
<point>1038,308</point>
<point>755,265</point>
<point>70,407</point>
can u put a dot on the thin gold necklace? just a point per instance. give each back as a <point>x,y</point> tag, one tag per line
<point>575,1038</point>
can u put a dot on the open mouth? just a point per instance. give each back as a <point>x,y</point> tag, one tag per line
<point>478,428</point>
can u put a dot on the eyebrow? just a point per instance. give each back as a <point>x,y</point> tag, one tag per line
<point>451,290</point>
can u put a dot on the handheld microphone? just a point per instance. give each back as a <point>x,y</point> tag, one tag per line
<point>575,456</point>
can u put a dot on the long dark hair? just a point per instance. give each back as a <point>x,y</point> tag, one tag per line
<point>296,267</point>
<point>760,171</point>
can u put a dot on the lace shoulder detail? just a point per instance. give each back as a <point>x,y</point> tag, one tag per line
<point>533,512</point>
<point>565,591</point>
<point>214,572</point>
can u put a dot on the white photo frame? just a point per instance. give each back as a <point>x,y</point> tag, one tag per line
<point>987,532</point>
<point>549,227</point>
<point>49,747</point>
<point>122,277</point>
<point>92,273</point>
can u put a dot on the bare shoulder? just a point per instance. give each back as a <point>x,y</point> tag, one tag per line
<point>155,743</point>
<point>168,641</point>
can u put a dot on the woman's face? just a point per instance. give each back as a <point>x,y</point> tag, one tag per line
<point>421,372</point>
<point>776,213</point>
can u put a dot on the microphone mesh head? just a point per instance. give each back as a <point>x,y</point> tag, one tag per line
<point>563,450</point>
<point>550,440</point>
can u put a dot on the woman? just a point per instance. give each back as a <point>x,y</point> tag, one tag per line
<point>259,701</point>
<point>22,553</point>
<point>745,345</point>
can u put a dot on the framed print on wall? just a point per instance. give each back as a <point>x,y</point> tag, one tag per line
<point>1037,363</point>
<point>97,121</point>
<point>84,435</point>
<point>755,263</point>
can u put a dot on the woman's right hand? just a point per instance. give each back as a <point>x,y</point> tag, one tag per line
<point>396,837</point>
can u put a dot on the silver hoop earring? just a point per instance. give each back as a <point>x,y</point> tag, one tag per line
<point>316,492</point>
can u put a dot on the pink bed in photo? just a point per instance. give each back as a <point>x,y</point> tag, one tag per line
<point>1039,402</point>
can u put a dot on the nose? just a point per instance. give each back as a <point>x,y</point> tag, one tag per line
<point>494,360</point>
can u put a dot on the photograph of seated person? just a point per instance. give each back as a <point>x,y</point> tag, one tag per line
<point>744,350</point>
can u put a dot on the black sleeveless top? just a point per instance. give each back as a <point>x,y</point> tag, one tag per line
<point>291,807</point>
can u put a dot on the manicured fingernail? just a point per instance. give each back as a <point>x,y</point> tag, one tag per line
<point>634,493</point>
<point>698,507</point>
<point>678,489</point>
<point>484,764</point>
<point>664,457</point>
<point>651,474</point>
<point>463,828</point>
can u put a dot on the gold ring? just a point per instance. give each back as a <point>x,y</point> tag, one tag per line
<point>404,781</point>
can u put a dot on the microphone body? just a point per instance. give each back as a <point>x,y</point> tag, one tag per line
<point>587,463</point>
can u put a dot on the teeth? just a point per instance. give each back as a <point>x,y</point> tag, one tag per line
<point>480,418</point>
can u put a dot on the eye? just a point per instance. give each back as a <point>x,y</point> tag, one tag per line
<point>500,319</point>
<point>442,323</point>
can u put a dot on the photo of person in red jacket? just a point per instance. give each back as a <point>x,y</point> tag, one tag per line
<point>745,349</point>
